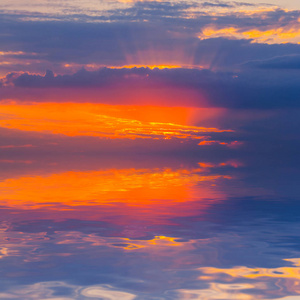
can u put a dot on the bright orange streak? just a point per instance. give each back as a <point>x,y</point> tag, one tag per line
<point>288,33</point>
<point>118,196</point>
<point>101,120</point>
<point>131,186</point>
<point>148,66</point>
<point>97,66</point>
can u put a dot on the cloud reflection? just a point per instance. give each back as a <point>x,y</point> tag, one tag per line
<point>50,289</point>
<point>137,233</point>
<point>230,283</point>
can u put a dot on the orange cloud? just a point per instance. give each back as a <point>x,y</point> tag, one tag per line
<point>75,66</point>
<point>105,121</point>
<point>230,163</point>
<point>271,34</point>
<point>233,144</point>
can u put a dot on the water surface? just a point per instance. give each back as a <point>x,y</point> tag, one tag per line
<point>155,228</point>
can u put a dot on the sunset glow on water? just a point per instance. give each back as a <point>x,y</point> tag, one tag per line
<point>149,150</point>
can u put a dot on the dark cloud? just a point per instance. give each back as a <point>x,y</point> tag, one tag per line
<point>216,4</point>
<point>153,33</point>
<point>287,62</point>
<point>145,33</point>
<point>226,89</point>
<point>230,54</point>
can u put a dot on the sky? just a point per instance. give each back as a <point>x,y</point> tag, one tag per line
<point>149,149</point>
<point>174,74</point>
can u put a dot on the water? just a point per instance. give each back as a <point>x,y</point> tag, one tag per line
<point>149,228</point>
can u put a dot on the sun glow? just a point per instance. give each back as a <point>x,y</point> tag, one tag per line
<point>98,66</point>
<point>148,195</point>
<point>132,186</point>
<point>105,121</point>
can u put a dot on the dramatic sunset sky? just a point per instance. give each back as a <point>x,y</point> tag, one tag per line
<point>149,150</point>
<point>158,75</point>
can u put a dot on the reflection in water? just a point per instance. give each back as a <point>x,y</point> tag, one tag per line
<point>135,187</point>
<point>286,280</point>
<point>119,196</point>
<point>146,233</point>
<point>284,272</point>
<point>49,290</point>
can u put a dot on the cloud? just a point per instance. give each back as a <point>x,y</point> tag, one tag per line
<point>216,4</point>
<point>248,89</point>
<point>285,62</point>
<point>212,35</point>
<point>147,33</point>
<point>265,34</point>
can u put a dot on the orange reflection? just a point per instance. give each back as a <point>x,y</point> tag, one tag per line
<point>115,195</point>
<point>135,187</point>
<point>218,291</point>
<point>283,272</point>
<point>286,278</point>
<point>106,121</point>
<point>159,243</point>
